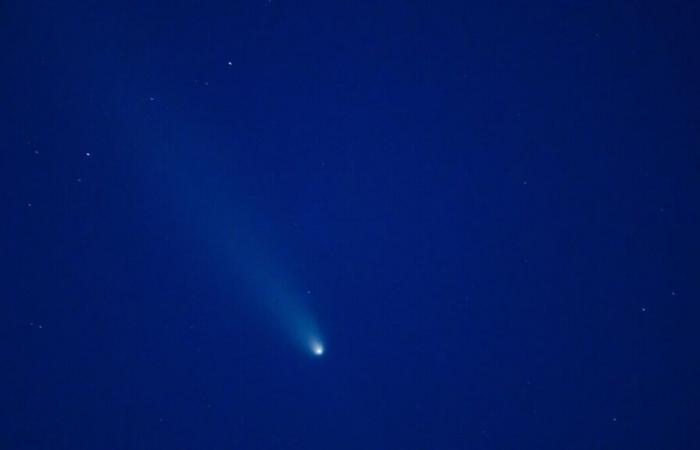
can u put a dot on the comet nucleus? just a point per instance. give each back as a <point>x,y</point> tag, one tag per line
<point>317,348</point>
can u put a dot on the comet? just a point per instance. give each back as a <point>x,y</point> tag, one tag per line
<point>241,248</point>
<point>317,347</point>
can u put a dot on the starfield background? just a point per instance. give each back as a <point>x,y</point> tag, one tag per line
<point>486,212</point>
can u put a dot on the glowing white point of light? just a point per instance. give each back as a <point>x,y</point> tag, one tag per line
<point>317,348</point>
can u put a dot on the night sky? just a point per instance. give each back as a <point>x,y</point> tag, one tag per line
<point>384,225</point>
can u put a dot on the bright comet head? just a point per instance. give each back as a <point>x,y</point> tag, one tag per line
<point>317,348</point>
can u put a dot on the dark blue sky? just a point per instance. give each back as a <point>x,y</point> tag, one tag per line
<point>489,211</point>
